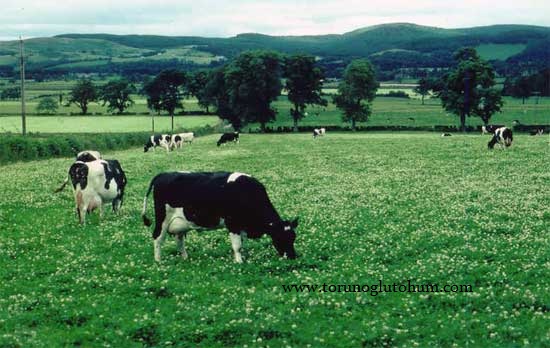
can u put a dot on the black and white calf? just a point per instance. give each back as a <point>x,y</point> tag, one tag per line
<point>179,139</point>
<point>227,137</point>
<point>318,132</point>
<point>205,201</point>
<point>162,140</point>
<point>502,136</point>
<point>490,128</point>
<point>96,183</point>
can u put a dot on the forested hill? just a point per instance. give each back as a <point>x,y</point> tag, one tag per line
<point>391,47</point>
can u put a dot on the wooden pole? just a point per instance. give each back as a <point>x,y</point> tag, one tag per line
<point>22,70</point>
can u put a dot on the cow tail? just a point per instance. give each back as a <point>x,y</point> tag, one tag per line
<point>60,188</point>
<point>146,220</point>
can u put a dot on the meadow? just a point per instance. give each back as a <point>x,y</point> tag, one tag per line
<point>372,206</point>
<point>387,111</point>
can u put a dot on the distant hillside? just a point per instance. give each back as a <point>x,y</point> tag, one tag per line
<point>393,48</point>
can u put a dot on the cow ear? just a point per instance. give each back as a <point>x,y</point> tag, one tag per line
<point>294,223</point>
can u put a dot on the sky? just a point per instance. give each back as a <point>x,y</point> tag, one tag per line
<point>43,18</point>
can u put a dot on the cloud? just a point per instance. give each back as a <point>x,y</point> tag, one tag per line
<point>32,18</point>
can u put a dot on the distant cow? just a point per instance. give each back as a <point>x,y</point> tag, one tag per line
<point>96,183</point>
<point>179,139</point>
<point>490,129</point>
<point>502,136</point>
<point>446,134</point>
<point>539,131</point>
<point>318,132</point>
<point>162,140</point>
<point>196,201</point>
<point>227,137</point>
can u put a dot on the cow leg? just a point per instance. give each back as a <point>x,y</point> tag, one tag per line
<point>157,244</point>
<point>180,238</point>
<point>236,244</point>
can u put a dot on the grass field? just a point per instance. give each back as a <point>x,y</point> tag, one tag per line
<point>103,124</point>
<point>376,206</point>
<point>386,111</point>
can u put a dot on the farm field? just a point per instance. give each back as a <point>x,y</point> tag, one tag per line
<point>386,112</point>
<point>103,124</point>
<point>372,206</point>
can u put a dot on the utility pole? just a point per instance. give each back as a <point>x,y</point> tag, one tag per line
<point>22,70</point>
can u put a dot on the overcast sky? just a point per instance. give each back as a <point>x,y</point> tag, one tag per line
<point>39,18</point>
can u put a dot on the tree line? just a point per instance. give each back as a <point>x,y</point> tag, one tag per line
<point>243,90</point>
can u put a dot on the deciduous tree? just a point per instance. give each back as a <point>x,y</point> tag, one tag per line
<point>117,95</point>
<point>356,92</point>
<point>82,94</point>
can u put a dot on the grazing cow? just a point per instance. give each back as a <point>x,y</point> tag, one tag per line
<point>502,136</point>
<point>227,137</point>
<point>162,140</point>
<point>96,183</point>
<point>490,128</point>
<point>179,139</point>
<point>446,134</point>
<point>195,201</point>
<point>317,132</point>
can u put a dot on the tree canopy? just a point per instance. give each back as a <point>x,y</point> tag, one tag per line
<point>164,92</point>
<point>356,91</point>
<point>117,95</point>
<point>304,82</point>
<point>82,94</point>
<point>253,81</point>
<point>469,88</point>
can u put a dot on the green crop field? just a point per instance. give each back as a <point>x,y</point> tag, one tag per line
<point>386,112</point>
<point>372,206</point>
<point>103,124</point>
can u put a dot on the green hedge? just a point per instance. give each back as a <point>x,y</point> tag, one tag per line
<point>15,147</point>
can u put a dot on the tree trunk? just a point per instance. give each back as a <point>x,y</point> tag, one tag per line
<point>353,124</point>
<point>262,127</point>
<point>172,116</point>
<point>523,100</point>
<point>295,125</point>
<point>422,99</point>
<point>84,108</point>
<point>463,122</point>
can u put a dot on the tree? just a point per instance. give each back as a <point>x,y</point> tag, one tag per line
<point>522,88</point>
<point>423,88</point>
<point>468,90</point>
<point>253,82</point>
<point>164,92</point>
<point>82,94</point>
<point>356,91</point>
<point>303,82</point>
<point>47,105</point>
<point>217,94</point>
<point>11,93</point>
<point>195,86</point>
<point>117,95</point>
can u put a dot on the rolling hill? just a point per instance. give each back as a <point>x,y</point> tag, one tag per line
<point>391,47</point>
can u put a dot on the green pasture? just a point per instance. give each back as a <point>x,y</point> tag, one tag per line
<point>372,206</point>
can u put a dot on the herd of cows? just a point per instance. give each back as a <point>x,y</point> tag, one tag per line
<point>185,201</point>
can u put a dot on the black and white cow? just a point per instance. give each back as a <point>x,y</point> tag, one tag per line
<point>446,134</point>
<point>96,183</point>
<point>203,201</point>
<point>82,156</point>
<point>490,128</point>
<point>539,131</point>
<point>162,140</point>
<point>502,136</point>
<point>227,137</point>
<point>318,132</point>
<point>179,139</point>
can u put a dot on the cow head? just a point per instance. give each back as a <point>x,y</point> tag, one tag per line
<point>146,148</point>
<point>283,236</point>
